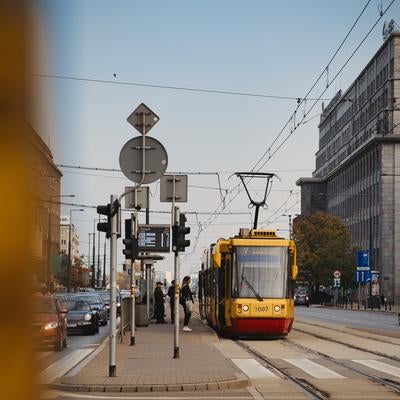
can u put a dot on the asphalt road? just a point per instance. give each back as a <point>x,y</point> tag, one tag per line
<point>46,358</point>
<point>370,320</point>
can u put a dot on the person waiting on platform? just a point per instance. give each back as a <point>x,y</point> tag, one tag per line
<point>187,302</point>
<point>159,303</point>
<point>171,295</point>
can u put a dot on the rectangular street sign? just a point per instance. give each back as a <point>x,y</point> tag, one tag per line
<point>363,276</point>
<point>154,238</point>
<point>173,183</point>
<point>137,200</point>
<point>363,258</point>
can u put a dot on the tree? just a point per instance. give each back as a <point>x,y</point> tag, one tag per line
<point>324,245</point>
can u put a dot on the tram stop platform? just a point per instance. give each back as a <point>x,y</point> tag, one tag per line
<point>149,366</point>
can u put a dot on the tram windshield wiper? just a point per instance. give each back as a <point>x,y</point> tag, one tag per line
<point>259,298</point>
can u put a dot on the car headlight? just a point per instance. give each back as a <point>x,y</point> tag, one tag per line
<point>51,325</point>
<point>87,317</point>
<point>277,308</point>
<point>245,307</point>
<point>118,304</point>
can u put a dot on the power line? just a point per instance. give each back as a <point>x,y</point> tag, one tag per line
<point>168,87</point>
<point>268,151</point>
<point>292,118</point>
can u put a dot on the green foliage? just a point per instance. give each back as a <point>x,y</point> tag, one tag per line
<point>324,245</point>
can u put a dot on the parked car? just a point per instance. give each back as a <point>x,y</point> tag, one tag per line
<point>96,303</point>
<point>49,322</point>
<point>302,298</point>
<point>81,318</point>
<point>106,296</point>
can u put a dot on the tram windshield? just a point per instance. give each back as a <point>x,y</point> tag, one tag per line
<point>260,272</point>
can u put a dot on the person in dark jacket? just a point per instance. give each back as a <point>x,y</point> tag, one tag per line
<point>171,295</point>
<point>159,303</point>
<point>186,297</point>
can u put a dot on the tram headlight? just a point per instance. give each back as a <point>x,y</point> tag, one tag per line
<point>245,307</point>
<point>277,308</point>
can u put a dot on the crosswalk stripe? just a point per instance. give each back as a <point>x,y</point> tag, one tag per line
<point>60,367</point>
<point>313,369</point>
<point>380,366</point>
<point>252,368</point>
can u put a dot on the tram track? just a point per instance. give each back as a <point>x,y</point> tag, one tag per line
<point>351,346</point>
<point>380,340</point>
<point>305,386</point>
<point>393,385</point>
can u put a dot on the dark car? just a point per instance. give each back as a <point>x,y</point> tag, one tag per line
<point>302,298</point>
<point>81,318</point>
<point>96,303</point>
<point>49,322</point>
<point>106,296</point>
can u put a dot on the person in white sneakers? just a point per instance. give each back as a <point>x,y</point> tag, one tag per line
<point>186,300</point>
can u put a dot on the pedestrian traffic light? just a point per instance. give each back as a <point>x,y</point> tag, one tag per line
<point>130,251</point>
<point>178,235</point>
<point>105,226</point>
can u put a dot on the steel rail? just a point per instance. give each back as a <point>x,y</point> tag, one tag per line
<point>351,346</point>
<point>385,382</point>
<point>342,331</point>
<point>305,386</point>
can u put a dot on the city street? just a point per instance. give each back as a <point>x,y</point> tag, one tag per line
<point>316,360</point>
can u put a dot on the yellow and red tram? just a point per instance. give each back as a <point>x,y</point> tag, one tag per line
<point>246,284</point>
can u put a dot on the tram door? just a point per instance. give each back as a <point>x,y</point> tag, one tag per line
<point>221,273</point>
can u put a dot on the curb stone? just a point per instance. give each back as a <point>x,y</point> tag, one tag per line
<point>234,384</point>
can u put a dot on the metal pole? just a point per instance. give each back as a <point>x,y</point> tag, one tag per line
<point>69,254</point>
<point>370,245</point>
<point>48,277</point>
<point>113,288</point>
<point>98,257</point>
<point>176,294</point>
<point>104,263</point>
<point>134,225</point>
<point>89,234</point>
<point>94,258</point>
<point>148,288</point>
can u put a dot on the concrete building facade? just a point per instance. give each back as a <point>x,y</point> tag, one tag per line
<point>357,174</point>
<point>64,238</point>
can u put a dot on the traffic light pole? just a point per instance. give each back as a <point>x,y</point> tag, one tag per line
<point>113,287</point>
<point>176,293</point>
<point>134,233</point>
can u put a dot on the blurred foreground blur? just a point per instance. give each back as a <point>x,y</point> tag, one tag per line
<point>16,207</point>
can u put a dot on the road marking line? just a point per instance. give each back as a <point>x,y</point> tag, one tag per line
<point>380,366</point>
<point>60,367</point>
<point>313,369</point>
<point>252,368</point>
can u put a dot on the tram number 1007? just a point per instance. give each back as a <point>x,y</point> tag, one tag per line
<point>261,309</point>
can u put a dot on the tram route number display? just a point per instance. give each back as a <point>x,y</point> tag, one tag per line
<point>155,238</point>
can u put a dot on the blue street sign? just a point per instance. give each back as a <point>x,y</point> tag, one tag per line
<point>363,276</point>
<point>363,259</point>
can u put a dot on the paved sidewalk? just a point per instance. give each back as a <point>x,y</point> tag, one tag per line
<point>149,365</point>
<point>392,310</point>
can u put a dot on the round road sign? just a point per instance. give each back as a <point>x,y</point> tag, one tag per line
<point>336,274</point>
<point>156,159</point>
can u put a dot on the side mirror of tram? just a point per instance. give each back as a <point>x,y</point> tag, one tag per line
<point>295,271</point>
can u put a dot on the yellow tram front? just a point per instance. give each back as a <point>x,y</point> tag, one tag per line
<point>247,283</point>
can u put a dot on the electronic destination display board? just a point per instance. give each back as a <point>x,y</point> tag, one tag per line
<point>155,238</point>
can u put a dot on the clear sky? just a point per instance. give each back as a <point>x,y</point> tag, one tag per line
<point>275,48</point>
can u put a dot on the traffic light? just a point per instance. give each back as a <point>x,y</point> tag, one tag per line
<point>105,226</point>
<point>178,235</point>
<point>131,251</point>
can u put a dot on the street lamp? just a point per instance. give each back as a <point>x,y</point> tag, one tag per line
<point>49,275</point>
<point>290,222</point>
<point>69,249</point>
